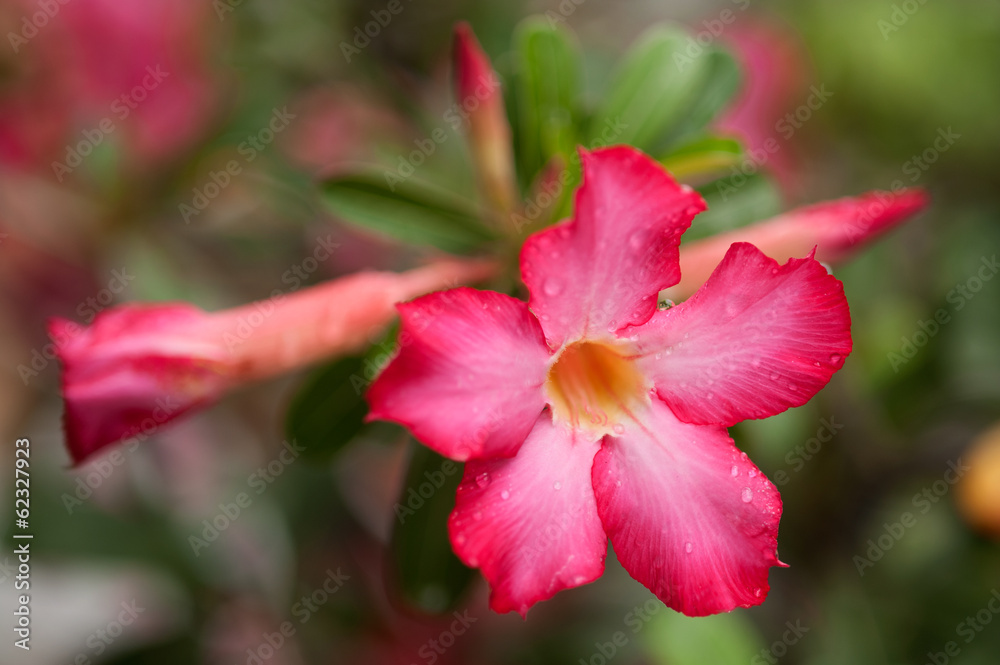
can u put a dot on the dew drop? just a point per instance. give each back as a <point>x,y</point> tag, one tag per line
<point>735,471</point>
<point>774,376</point>
<point>757,592</point>
<point>557,486</point>
<point>636,241</point>
<point>835,358</point>
<point>505,495</point>
<point>553,287</point>
<point>666,303</point>
<point>747,495</point>
<point>752,473</point>
<point>479,515</point>
<point>619,429</point>
<point>688,547</point>
<point>618,483</point>
<point>460,539</point>
<point>483,480</point>
<point>792,387</point>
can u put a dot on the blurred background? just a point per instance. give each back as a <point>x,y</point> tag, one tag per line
<point>115,120</point>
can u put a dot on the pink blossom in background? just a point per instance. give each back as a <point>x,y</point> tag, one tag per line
<point>587,414</point>
<point>140,366</point>
<point>774,84</point>
<point>143,66</point>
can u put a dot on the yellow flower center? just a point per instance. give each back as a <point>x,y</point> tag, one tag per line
<point>594,386</point>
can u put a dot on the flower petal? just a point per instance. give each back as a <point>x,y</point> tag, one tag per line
<point>468,378</point>
<point>837,229</point>
<point>756,339</point>
<point>689,516</point>
<point>530,523</point>
<point>134,369</point>
<point>603,270</point>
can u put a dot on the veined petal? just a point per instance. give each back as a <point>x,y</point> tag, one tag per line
<point>602,270</point>
<point>688,514</point>
<point>468,378</point>
<point>836,229</point>
<point>756,339</point>
<point>530,522</point>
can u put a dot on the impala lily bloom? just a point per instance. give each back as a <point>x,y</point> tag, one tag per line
<point>588,414</point>
<point>140,366</point>
<point>836,229</point>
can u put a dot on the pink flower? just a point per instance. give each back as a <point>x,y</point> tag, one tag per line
<point>836,229</point>
<point>587,414</point>
<point>138,367</point>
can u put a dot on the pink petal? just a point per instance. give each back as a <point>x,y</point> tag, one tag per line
<point>689,516</point>
<point>756,339</point>
<point>603,270</point>
<point>468,378</point>
<point>530,522</point>
<point>837,229</point>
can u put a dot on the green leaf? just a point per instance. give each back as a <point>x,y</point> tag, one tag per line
<point>426,572</point>
<point>674,639</point>
<point>408,211</point>
<point>329,409</point>
<point>720,82</point>
<point>651,90</point>
<point>547,81</point>
<point>703,156</point>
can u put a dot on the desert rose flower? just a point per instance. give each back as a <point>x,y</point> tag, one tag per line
<point>588,414</point>
<point>140,366</point>
<point>836,229</point>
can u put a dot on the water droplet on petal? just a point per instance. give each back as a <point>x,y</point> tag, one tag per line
<point>792,387</point>
<point>775,376</point>
<point>637,241</point>
<point>460,539</point>
<point>557,486</point>
<point>553,287</point>
<point>482,480</point>
<point>735,471</point>
<point>688,547</point>
<point>618,483</point>
<point>479,515</point>
<point>752,473</point>
<point>747,495</point>
<point>757,592</point>
<point>835,358</point>
<point>505,495</point>
<point>666,303</point>
<point>619,429</point>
